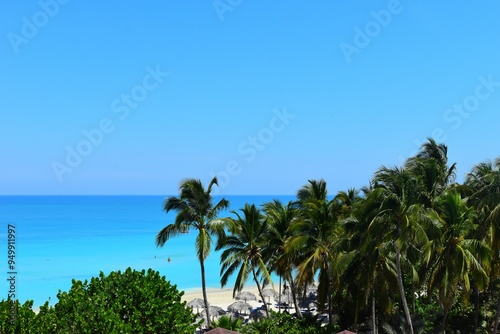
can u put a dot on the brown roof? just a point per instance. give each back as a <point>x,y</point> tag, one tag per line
<point>219,330</point>
<point>346,332</point>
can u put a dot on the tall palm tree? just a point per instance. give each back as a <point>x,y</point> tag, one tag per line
<point>244,249</point>
<point>195,209</point>
<point>371,272</point>
<point>314,242</point>
<point>314,190</point>
<point>280,220</point>
<point>397,220</point>
<point>430,165</point>
<point>456,257</point>
<point>484,183</point>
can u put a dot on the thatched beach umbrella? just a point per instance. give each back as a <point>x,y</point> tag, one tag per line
<point>239,306</point>
<point>257,314</point>
<point>234,315</point>
<point>269,293</point>
<point>284,298</point>
<point>197,302</point>
<point>215,311</point>
<point>246,296</point>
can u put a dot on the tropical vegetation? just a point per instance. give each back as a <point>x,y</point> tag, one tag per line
<point>414,251</point>
<point>121,302</point>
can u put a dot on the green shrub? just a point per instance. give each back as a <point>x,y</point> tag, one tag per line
<point>227,322</point>
<point>283,323</point>
<point>128,302</point>
<point>16,318</point>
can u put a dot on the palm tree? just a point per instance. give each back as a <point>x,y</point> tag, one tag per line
<point>280,220</point>
<point>397,220</point>
<point>195,209</point>
<point>456,257</point>
<point>483,182</point>
<point>371,271</point>
<point>244,249</point>
<point>314,242</point>
<point>430,166</point>
<point>314,190</point>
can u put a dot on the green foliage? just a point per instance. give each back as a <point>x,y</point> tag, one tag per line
<point>284,323</point>
<point>128,302</point>
<point>227,322</point>
<point>16,318</point>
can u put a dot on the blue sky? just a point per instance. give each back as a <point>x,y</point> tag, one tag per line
<point>101,98</point>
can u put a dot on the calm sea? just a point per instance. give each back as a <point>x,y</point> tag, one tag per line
<point>60,238</point>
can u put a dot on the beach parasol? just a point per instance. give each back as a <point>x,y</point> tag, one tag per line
<point>197,302</point>
<point>284,298</point>
<point>234,315</point>
<point>239,306</point>
<point>258,314</point>
<point>269,293</point>
<point>246,296</point>
<point>215,311</point>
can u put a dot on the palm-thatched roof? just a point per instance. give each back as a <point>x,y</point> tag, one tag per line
<point>219,330</point>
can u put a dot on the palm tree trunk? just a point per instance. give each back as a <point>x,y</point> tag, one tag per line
<point>279,297</point>
<point>402,290</point>
<point>294,297</point>
<point>204,289</point>
<point>356,314</point>
<point>497,315</point>
<point>260,290</point>
<point>476,311</point>
<point>443,322</point>
<point>412,297</point>
<point>330,315</point>
<point>374,316</point>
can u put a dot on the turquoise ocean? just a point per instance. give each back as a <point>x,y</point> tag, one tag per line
<point>60,238</point>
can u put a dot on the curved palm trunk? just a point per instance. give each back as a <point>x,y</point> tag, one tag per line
<point>402,291</point>
<point>204,289</point>
<point>260,291</point>
<point>294,297</point>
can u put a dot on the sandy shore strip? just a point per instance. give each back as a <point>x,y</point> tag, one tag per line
<point>223,297</point>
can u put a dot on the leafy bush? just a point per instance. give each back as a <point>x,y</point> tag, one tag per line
<point>128,302</point>
<point>227,322</point>
<point>283,323</point>
<point>16,318</point>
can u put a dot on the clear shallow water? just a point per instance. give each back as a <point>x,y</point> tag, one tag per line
<point>60,238</point>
